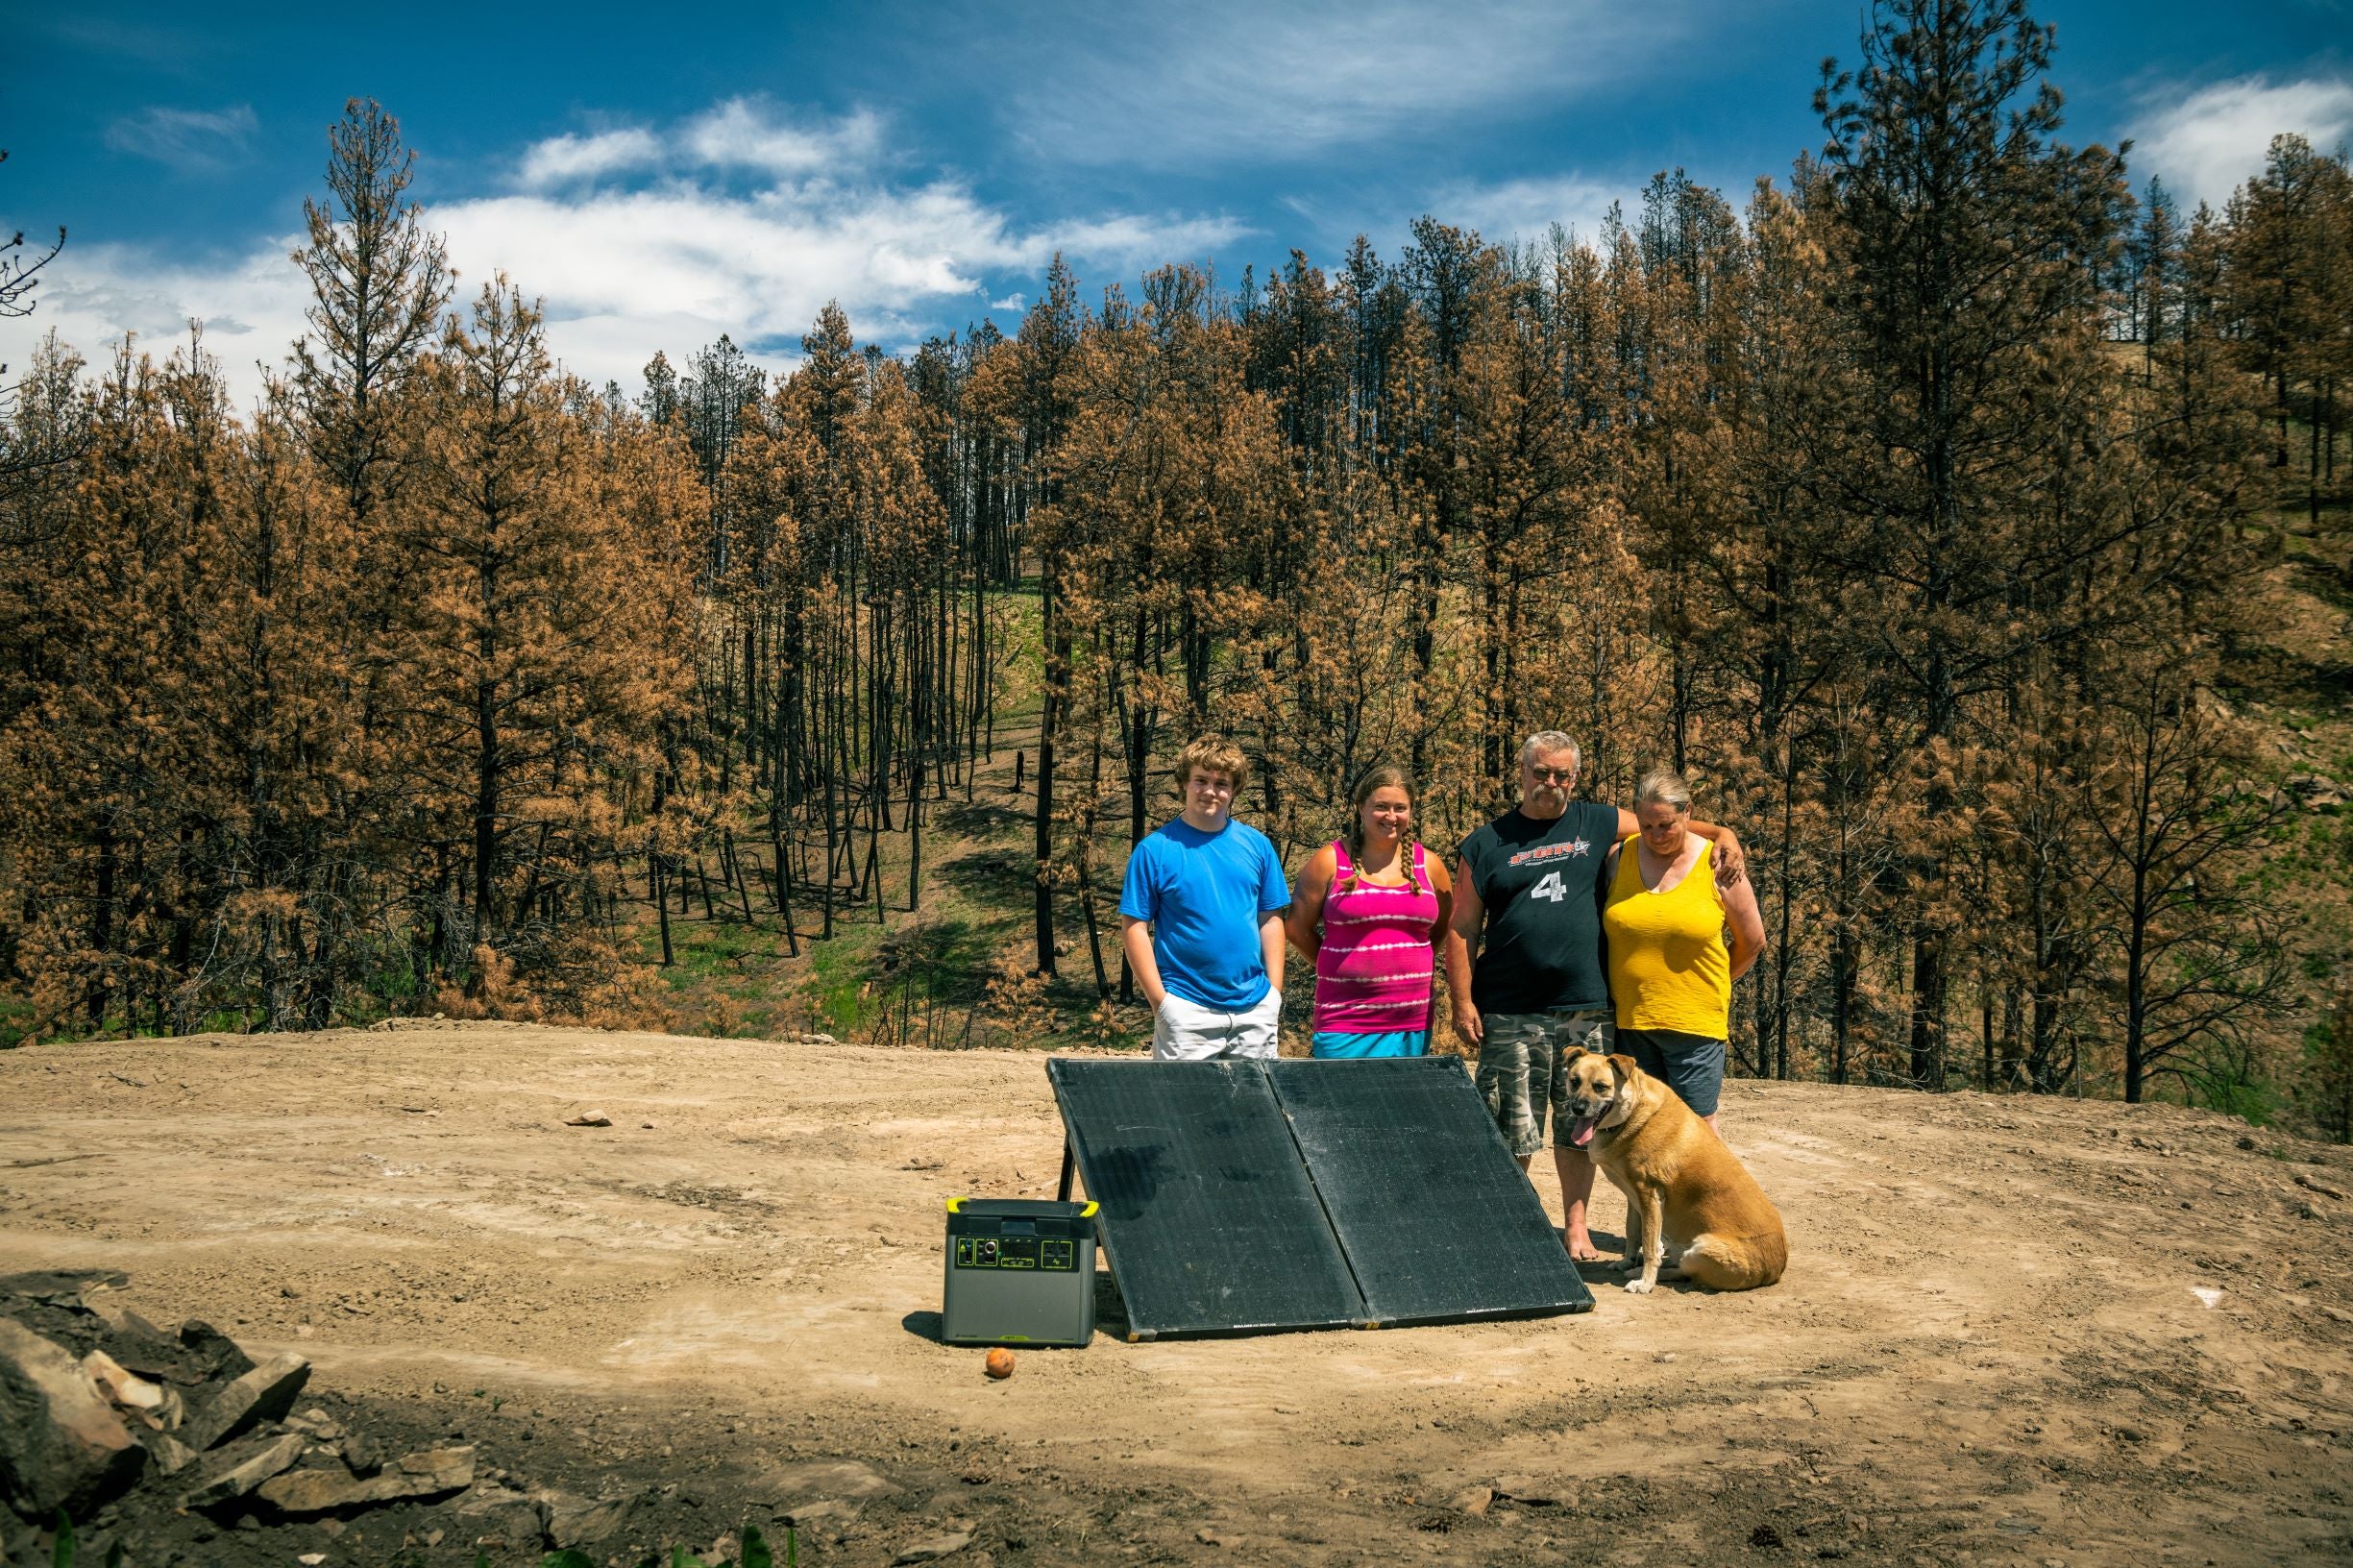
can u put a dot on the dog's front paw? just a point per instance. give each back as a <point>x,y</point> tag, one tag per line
<point>1640,1288</point>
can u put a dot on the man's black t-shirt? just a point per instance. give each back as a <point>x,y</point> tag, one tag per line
<point>1541,882</point>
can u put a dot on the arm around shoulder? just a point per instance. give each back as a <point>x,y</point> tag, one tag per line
<point>1732,860</point>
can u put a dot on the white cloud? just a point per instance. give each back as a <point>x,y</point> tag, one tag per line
<point>191,140</point>
<point>91,295</point>
<point>1501,212</point>
<point>562,160</point>
<point>1171,86</point>
<point>742,134</point>
<point>1128,241</point>
<point>668,260</point>
<point>671,267</point>
<point>1525,209</point>
<point>2205,145</point>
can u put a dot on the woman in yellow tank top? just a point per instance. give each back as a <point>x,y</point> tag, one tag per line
<point>1665,922</point>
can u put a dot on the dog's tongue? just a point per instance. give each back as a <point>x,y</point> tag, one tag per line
<point>1580,1131</point>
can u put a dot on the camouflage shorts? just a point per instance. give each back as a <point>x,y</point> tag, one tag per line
<point>1521,1072</point>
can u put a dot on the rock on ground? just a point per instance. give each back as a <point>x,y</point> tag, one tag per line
<point>61,1445</point>
<point>425,1474</point>
<point>511,1516</point>
<point>843,1480</point>
<point>169,1455</point>
<point>214,1354</point>
<point>158,1407</point>
<point>61,1286</point>
<point>578,1522</point>
<point>236,1471</point>
<point>266,1393</point>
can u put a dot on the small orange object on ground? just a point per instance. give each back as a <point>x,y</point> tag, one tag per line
<point>1000,1362</point>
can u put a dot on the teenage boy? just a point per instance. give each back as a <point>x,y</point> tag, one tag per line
<point>1528,898</point>
<point>1201,918</point>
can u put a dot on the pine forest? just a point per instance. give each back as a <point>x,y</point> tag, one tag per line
<point>1955,512</point>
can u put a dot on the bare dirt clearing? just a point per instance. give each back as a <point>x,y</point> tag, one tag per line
<point>2013,1329</point>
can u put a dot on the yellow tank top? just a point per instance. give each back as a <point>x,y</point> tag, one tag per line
<point>1668,966</point>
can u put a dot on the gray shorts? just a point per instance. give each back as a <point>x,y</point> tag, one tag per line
<point>1184,1031</point>
<point>1522,1072</point>
<point>1690,1065</point>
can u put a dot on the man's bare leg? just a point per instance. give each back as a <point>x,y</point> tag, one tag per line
<point>1576,1169</point>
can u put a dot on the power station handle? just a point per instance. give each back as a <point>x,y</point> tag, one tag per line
<point>955,1206</point>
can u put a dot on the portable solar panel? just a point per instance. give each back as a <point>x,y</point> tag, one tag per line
<point>1435,1216</point>
<point>1240,1197</point>
<point>1208,1218</point>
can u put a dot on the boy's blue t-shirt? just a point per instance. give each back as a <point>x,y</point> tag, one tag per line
<point>1205,894</point>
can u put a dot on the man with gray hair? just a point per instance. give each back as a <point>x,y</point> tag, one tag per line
<point>1524,955</point>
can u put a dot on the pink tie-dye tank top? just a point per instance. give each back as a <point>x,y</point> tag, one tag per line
<point>1373,972</point>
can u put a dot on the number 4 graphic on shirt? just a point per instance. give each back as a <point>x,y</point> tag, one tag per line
<point>1552,887</point>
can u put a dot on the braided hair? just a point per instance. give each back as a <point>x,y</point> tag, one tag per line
<point>1383,778</point>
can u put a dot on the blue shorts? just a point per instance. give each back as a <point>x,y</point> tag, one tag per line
<point>1690,1065</point>
<point>1331,1046</point>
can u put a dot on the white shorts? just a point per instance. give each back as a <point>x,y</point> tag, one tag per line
<point>1184,1031</point>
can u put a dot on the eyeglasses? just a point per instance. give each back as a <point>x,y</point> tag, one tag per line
<point>1551,776</point>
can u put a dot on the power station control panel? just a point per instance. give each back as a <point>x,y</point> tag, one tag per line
<point>1048,1252</point>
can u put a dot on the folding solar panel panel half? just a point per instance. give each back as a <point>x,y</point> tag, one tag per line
<point>1437,1221</point>
<point>1208,1218</point>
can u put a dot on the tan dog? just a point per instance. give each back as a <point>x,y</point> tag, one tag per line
<point>1684,1190</point>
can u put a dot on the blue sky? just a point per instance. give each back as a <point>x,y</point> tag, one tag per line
<point>661,175</point>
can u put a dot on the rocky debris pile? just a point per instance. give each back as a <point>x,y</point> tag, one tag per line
<point>105,1416</point>
<point>96,1402</point>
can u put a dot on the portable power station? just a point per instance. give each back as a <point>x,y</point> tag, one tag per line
<point>1020,1271</point>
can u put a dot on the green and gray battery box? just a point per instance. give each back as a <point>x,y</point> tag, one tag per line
<point>1020,1271</point>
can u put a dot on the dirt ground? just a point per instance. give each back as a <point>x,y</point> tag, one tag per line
<point>2013,1329</point>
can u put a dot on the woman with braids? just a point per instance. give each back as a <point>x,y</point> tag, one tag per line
<point>1369,910</point>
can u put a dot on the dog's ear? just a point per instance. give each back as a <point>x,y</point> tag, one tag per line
<point>1572,1053</point>
<point>1626,1067</point>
